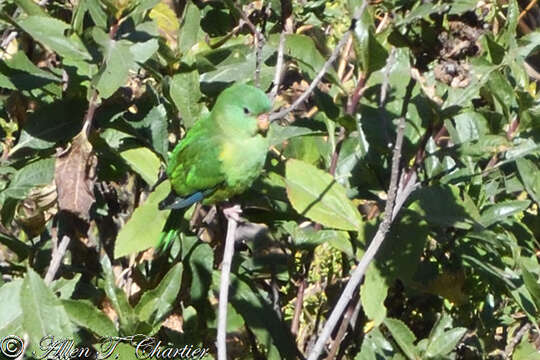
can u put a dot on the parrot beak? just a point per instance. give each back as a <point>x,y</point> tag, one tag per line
<point>263,123</point>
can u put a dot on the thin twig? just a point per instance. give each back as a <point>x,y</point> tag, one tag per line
<point>12,35</point>
<point>357,94</point>
<point>386,76</point>
<point>335,154</point>
<point>56,260</point>
<point>527,8</point>
<point>228,253</point>
<point>344,57</point>
<point>407,185</point>
<point>259,43</point>
<point>298,306</point>
<point>325,68</point>
<point>512,344</point>
<point>314,83</point>
<point>341,331</point>
<point>93,104</point>
<point>89,116</point>
<point>374,246</point>
<point>279,66</point>
<point>286,28</point>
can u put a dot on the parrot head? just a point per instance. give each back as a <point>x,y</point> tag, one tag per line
<point>243,109</point>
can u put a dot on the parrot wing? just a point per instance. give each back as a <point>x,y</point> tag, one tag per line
<point>195,168</point>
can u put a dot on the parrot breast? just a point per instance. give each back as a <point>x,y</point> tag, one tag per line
<point>242,162</point>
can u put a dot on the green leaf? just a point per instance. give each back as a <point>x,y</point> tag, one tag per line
<point>302,48</point>
<point>530,176</point>
<point>372,54</point>
<point>237,66</point>
<point>352,150</point>
<point>51,124</point>
<point>21,62</point>
<point>22,74</point>
<point>43,313</point>
<point>144,162</point>
<point>525,350</point>
<point>376,347</point>
<point>144,227</point>
<point>399,255</point>
<point>403,337</point>
<point>118,60</point>
<point>87,315</point>
<point>441,205</point>
<point>523,298</point>
<point>51,33</point>
<point>12,243</point>
<point>442,345</point>
<point>65,287</point>
<point>31,7</point>
<point>461,6</point>
<point>153,129</point>
<point>502,210</point>
<point>126,315</point>
<point>165,18</point>
<point>11,313</point>
<point>98,15</point>
<point>531,280</point>
<point>201,261</point>
<point>142,51</point>
<point>155,304</point>
<point>278,134</point>
<point>189,29</point>
<point>40,172</point>
<point>310,149</point>
<point>421,12</point>
<point>316,194</point>
<point>469,126</point>
<point>372,294</point>
<point>185,92</point>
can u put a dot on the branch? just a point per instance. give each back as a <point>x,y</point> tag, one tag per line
<point>232,216</point>
<point>259,43</point>
<point>371,251</point>
<point>512,344</point>
<point>56,260</point>
<point>358,13</point>
<point>386,76</point>
<point>89,116</point>
<point>286,28</point>
<point>527,9</point>
<point>94,98</point>
<point>341,331</point>
<point>9,38</point>
<point>279,67</point>
<point>298,307</point>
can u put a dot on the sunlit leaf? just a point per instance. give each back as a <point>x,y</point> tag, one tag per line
<point>316,195</point>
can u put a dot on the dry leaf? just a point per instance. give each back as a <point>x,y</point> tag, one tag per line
<point>75,176</point>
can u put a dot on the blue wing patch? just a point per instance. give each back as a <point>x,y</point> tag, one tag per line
<point>173,201</point>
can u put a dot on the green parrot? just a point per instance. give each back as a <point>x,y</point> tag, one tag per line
<point>221,155</point>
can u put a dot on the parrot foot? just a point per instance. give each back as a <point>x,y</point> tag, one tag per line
<point>233,212</point>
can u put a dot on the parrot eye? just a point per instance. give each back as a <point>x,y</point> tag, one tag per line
<point>246,110</point>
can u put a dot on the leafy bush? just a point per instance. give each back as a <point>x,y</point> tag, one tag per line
<point>97,92</point>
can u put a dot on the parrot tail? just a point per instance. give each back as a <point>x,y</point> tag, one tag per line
<point>170,231</point>
<point>173,201</point>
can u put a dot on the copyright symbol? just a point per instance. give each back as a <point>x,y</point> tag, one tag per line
<point>11,346</point>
